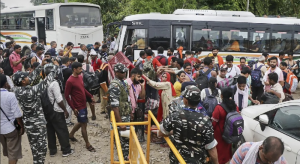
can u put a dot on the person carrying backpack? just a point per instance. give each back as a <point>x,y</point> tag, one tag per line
<point>211,96</point>
<point>161,57</point>
<point>258,71</point>
<point>149,66</point>
<point>221,123</point>
<point>204,75</point>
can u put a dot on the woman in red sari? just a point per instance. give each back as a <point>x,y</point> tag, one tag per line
<point>166,93</point>
<point>218,121</point>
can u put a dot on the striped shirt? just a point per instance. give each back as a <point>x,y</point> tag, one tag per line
<point>241,152</point>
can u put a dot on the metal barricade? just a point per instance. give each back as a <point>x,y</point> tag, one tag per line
<point>136,154</point>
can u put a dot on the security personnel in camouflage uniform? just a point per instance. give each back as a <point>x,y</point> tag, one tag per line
<point>193,134</point>
<point>119,102</point>
<point>177,103</point>
<point>33,115</point>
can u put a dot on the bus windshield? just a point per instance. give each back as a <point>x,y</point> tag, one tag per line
<point>79,16</point>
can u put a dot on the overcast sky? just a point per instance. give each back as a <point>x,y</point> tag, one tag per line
<point>16,3</point>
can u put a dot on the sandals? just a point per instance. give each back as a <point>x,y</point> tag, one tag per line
<point>91,148</point>
<point>73,139</point>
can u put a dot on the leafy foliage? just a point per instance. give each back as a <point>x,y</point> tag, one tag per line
<point>116,10</point>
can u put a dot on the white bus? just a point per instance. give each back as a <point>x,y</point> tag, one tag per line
<point>79,23</point>
<point>206,29</point>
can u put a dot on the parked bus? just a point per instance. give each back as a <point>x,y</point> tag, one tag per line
<point>79,23</point>
<point>206,29</point>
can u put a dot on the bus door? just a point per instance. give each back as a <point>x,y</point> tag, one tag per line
<point>41,24</point>
<point>181,35</point>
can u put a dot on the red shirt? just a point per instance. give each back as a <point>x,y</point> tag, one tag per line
<point>192,61</point>
<point>75,89</point>
<point>170,59</point>
<point>96,65</point>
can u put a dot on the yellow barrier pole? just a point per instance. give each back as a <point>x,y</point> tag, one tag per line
<point>172,147</point>
<point>111,146</point>
<point>117,138</point>
<point>131,123</point>
<point>138,145</point>
<point>148,138</point>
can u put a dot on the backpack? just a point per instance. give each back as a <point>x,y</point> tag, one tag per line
<point>60,79</point>
<point>256,76</point>
<point>46,104</point>
<point>269,98</point>
<point>291,82</point>
<point>5,65</point>
<point>233,127</point>
<point>287,97</point>
<point>210,102</point>
<point>297,71</point>
<point>139,64</point>
<point>90,81</point>
<point>202,79</point>
<point>161,57</point>
<point>227,82</point>
<point>149,70</point>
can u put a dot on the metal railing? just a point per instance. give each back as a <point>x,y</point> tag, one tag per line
<point>136,154</point>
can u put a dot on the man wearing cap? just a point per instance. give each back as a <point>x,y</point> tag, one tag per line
<point>33,115</point>
<point>257,91</point>
<point>177,103</point>
<point>119,101</point>
<point>192,132</point>
<point>34,40</point>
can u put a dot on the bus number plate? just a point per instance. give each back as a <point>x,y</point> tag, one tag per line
<point>84,36</point>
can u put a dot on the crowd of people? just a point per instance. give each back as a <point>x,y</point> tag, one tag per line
<point>190,97</point>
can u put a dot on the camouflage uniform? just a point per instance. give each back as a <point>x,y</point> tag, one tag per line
<point>119,97</point>
<point>33,116</point>
<point>192,131</point>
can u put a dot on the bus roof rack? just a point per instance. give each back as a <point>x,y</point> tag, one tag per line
<point>224,13</point>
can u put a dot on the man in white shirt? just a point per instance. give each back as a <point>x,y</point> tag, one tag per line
<point>222,73</point>
<point>232,70</point>
<point>56,123</point>
<point>273,68</point>
<point>112,45</point>
<point>83,51</point>
<point>9,81</point>
<point>276,88</point>
<point>10,137</point>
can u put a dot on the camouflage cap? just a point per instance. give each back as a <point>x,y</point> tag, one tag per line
<point>119,67</point>
<point>18,77</point>
<point>192,93</point>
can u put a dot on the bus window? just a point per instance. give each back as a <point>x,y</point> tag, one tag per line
<point>3,22</point>
<point>205,39</point>
<point>25,20</point>
<point>32,24</point>
<point>137,37</point>
<point>49,20</point>
<point>296,44</point>
<point>79,16</point>
<point>234,40</point>
<point>281,40</point>
<point>258,40</point>
<point>181,37</point>
<point>13,21</point>
<point>159,36</point>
